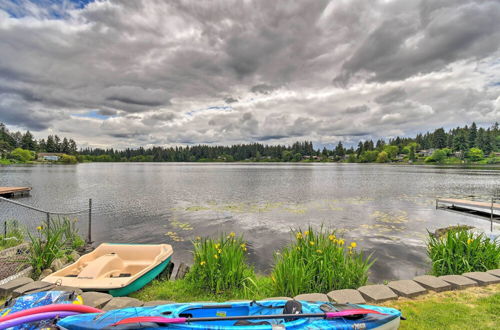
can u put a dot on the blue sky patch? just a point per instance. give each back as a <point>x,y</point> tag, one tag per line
<point>91,114</point>
<point>53,9</point>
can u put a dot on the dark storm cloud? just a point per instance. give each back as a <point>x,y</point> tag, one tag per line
<point>262,89</point>
<point>230,100</point>
<point>167,70</point>
<point>395,95</point>
<point>408,45</point>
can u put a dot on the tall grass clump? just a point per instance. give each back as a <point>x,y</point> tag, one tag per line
<point>12,235</point>
<point>460,250</point>
<point>318,261</point>
<point>70,233</point>
<point>51,242</point>
<point>220,264</point>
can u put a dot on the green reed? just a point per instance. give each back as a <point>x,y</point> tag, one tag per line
<point>460,251</point>
<point>319,261</point>
<point>51,242</point>
<point>220,264</point>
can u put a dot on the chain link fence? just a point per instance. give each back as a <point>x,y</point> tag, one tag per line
<point>19,221</point>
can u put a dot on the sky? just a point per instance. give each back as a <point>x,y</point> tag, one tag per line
<point>130,73</point>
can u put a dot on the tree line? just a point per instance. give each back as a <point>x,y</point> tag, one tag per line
<point>458,140</point>
<point>12,140</point>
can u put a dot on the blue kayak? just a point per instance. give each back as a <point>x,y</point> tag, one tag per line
<point>247,313</point>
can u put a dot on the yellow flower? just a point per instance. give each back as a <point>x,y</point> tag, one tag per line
<point>319,251</point>
<point>203,263</point>
<point>216,256</point>
<point>341,242</point>
<point>298,248</point>
<point>219,250</point>
<point>217,246</point>
<point>306,232</point>
<point>311,242</point>
<point>273,278</point>
<point>298,235</point>
<point>470,240</point>
<point>39,228</point>
<point>232,234</point>
<point>353,244</point>
<point>243,247</point>
<point>331,237</point>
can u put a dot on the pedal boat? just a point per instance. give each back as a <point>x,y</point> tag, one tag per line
<point>118,269</point>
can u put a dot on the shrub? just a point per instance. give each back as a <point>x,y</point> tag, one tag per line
<point>382,157</point>
<point>475,154</point>
<point>460,251</point>
<point>319,262</point>
<point>220,264</point>
<point>22,155</point>
<point>12,236</point>
<point>68,159</point>
<point>437,156</point>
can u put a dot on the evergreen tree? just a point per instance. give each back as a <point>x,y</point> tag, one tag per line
<point>439,138</point>
<point>472,135</point>
<point>28,142</point>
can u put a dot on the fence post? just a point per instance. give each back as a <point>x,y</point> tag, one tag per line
<point>89,238</point>
<point>491,220</point>
<point>5,229</point>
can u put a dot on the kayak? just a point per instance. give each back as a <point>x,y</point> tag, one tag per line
<point>255,315</point>
<point>118,269</point>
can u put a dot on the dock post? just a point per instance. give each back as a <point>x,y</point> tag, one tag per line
<point>89,237</point>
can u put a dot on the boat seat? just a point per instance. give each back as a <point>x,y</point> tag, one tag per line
<point>102,266</point>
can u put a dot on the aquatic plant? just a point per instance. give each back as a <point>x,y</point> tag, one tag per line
<point>461,250</point>
<point>220,264</point>
<point>319,261</point>
<point>13,234</point>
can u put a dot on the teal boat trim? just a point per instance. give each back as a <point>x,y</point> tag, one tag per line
<point>141,281</point>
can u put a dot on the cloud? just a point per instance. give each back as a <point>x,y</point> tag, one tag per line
<point>173,72</point>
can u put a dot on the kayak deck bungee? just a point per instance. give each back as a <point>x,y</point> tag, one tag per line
<point>263,315</point>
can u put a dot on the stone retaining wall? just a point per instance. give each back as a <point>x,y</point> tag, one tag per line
<point>366,294</point>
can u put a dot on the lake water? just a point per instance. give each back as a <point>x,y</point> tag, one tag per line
<point>385,209</point>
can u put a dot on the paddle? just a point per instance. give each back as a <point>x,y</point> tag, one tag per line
<point>178,320</point>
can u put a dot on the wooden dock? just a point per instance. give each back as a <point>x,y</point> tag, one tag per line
<point>489,210</point>
<point>14,191</point>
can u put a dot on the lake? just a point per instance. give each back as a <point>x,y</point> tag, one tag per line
<point>386,209</point>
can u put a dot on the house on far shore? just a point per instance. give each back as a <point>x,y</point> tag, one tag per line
<point>52,156</point>
<point>426,152</point>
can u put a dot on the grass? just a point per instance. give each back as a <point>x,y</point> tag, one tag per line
<point>184,290</point>
<point>318,261</point>
<point>473,308</point>
<point>460,251</point>
<point>220,264</point>
<point>14,235</point>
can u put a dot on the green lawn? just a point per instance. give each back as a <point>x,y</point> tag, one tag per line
<point>474,308</point>
<point>183,291</point>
